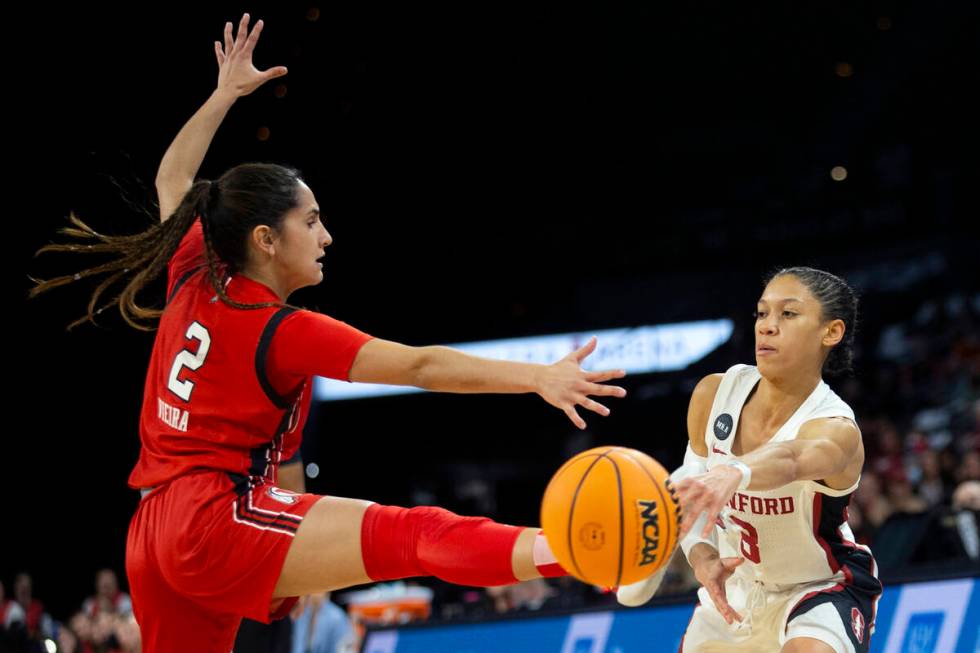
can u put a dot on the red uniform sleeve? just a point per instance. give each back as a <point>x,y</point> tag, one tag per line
<point>308,343</point>
<point>189,255</point>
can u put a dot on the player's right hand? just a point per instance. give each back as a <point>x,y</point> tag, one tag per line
<point>712,572</point>
<point>236,74</point>
<point>565,384</point>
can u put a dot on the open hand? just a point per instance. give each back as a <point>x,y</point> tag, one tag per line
<point>712,572</point>
<point>566,385</point>
<point>236,74</point>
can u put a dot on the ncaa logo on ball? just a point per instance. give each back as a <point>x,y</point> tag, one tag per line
<point>592,536</point>
<point>650,531</point>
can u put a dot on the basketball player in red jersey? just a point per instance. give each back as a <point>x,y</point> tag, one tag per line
<point>214,538</point>
<point>773,458</point>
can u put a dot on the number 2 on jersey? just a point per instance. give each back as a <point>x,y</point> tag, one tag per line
<point>191,361</point>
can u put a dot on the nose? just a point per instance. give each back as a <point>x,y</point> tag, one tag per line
<point>327,238</point>
<point>767,325</point>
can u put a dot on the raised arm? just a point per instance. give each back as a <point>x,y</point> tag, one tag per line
<point>563,384</point>
<point>237,77</point>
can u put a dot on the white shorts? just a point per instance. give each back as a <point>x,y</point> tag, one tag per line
<point>779,616</point>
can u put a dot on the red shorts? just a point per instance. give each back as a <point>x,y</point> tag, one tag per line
<point>199,557</point>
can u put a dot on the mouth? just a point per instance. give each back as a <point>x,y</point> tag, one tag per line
<point>763,350</point>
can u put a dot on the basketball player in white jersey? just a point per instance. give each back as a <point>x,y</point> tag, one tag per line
<point>773,458</point>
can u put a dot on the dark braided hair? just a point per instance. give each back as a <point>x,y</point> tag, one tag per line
<point>230,207</point>
<point>838,301</point>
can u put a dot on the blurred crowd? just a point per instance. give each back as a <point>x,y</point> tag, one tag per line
<point>103,624</point>
<point>920,416</point>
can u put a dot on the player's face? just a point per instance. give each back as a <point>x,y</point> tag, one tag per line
<point>789,328</point>
<point>303,239</point>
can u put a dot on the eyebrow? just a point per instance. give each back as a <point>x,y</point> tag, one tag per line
<point>785,301</point>
<point>314,212</point>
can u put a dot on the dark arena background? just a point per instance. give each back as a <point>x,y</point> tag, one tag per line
<point>498,172</point>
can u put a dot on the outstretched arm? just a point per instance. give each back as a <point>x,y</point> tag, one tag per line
<point>563,384</point>
<point>824,448</point>
<point>237,77</point>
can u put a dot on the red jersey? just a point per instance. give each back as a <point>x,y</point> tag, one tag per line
<point>228,388</point>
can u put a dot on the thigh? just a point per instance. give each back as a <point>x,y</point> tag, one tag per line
<point>170,622</point>
<point>220,541</point>
<point>820,630</point>
<point>709,633</point>
<point>325,553</point>
<point>842,616</point>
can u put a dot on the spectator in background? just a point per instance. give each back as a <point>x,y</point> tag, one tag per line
<point>68,641</point>
<point>931,486</point>
<point>969,469</point>
<point>525,596</point>
<point>966,507</point>
<point>37,623</point>
<point>869,506</point>
<point>106,632</point>
<point>321,626</point>
<point>101,625</point>
<point>967,496</point>
<point>127,633</point>
<point>108,597</point>
<point>12,635</point>
<point>900,494</point>
<point>888,456</point>
<point>11,614</point>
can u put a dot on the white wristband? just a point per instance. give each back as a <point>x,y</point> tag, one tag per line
<point>694,536</point>
<point>746,473</point>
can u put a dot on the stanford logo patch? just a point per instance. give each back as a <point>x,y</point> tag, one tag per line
<point>282,496</point>
<point>857,624</point>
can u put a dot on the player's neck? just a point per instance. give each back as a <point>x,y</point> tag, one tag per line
<point>784,396</point>
<point>268,280</point>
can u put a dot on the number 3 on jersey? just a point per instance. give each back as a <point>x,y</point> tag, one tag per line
<point>191,361</point>
<point>750,540</point>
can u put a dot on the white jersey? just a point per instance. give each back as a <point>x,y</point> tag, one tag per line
<point>796,534</point>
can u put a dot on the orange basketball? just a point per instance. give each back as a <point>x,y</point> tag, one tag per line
<point>610,516</point>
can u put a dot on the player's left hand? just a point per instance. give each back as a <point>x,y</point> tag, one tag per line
<point>706,493</point>
<point>236,74</point>
<point>566,385</point>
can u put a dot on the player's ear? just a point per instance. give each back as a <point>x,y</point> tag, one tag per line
<point>264,239</point>
<point>833,333</point>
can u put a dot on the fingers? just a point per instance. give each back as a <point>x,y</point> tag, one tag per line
<point>687,495</point>
<point>574,416</point>
<point>716,591</point>
<point>583,352</point>
<point>242,32</point>
<point>229,42</point>
<point>272,73</point>
<point>253,37</point>
<point>605,375</point>
<point>606,390</point>
<point>218,53</point>
<point>730,563</point>
<point>595,407</point>
<point>709,526</point>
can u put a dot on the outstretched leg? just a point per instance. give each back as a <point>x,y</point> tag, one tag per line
<point>346,542</point>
